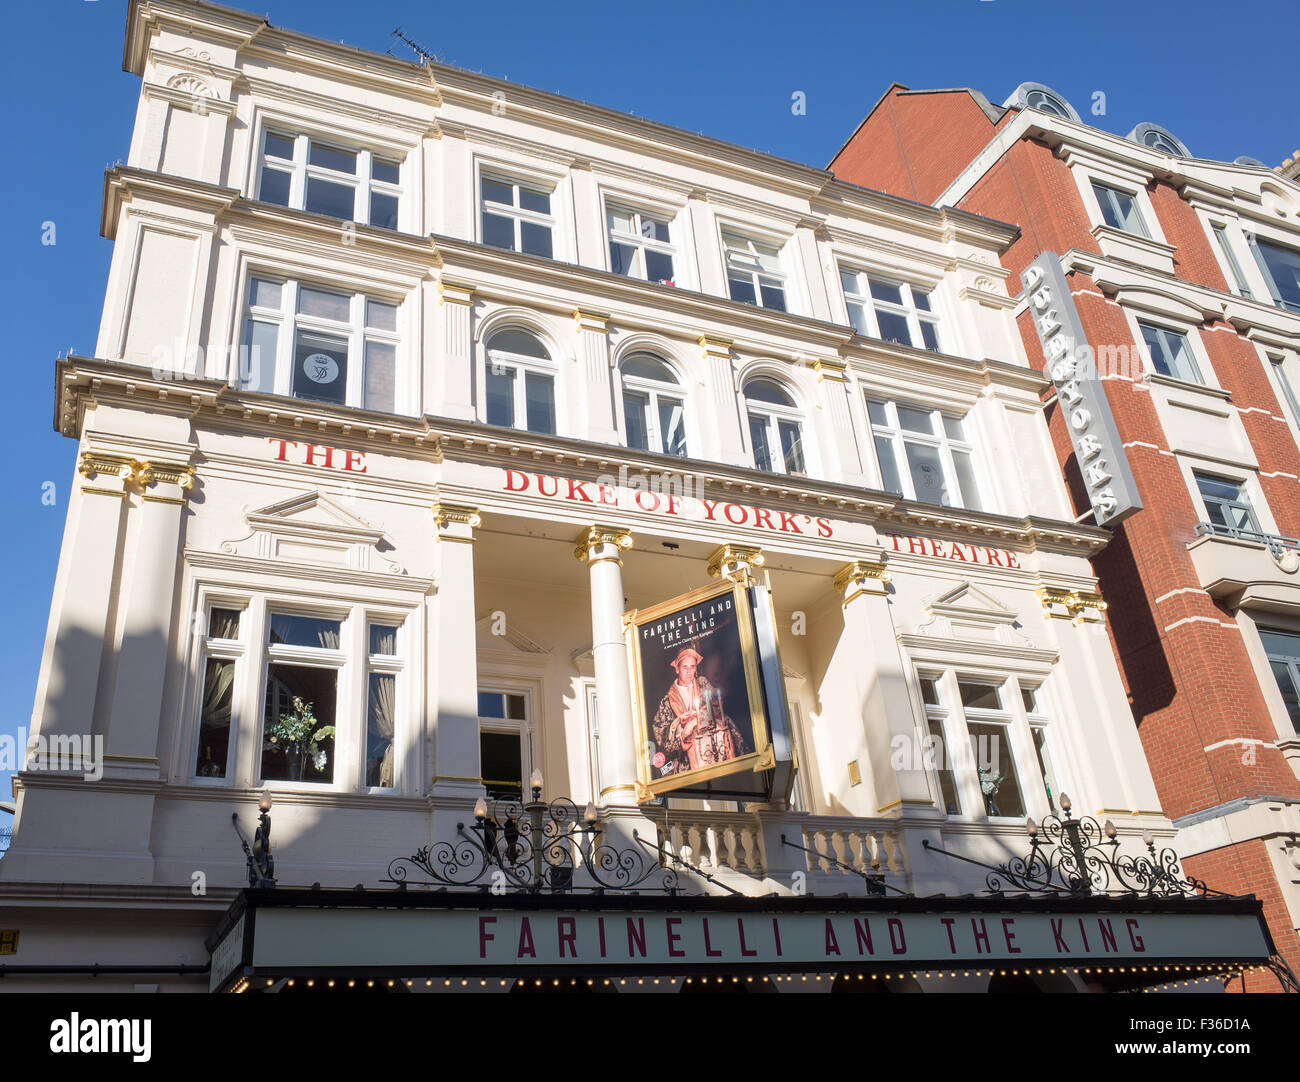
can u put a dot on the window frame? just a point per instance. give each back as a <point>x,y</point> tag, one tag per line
<point>300,170</point>
<point>1253,241</point>
<point>217,649</point>
<point>1242,503</point>
<point>515,211</point>
<point>1198,372</point>
<point>753,267</point>
<point>947,445</point>
<point>1111,191</point>
<point>639,241</point>
<point>522,727</point>
<point>909,310</point>
<point>356,331</point>
<point>521,364</point>
<point>654,390</point>
<point>773,414</point>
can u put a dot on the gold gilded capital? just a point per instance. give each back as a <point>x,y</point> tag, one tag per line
<point>93,465</point>
<point>453,292</point>
<point>831,370</point>
<point>598,535</point>
<point>147,474</point>
<point>715,347</point>
<point>447,513</point>
<point>859,571</point>
<point>1074,602</point>
<point>735,562</point>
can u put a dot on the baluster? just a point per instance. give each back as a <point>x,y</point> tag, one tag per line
<point>694,853</point>
<point>729,846</point>
<point>674,844</point>
<point>754,850</point>
<point>819,844</point>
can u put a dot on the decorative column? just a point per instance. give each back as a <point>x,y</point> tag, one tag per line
<point>737,563</point>
<point>454,666</point>
<point>886,714</point>
<point>726,430</point>
<point>457,390</point>
<point>598,547</point>
<point>133,727</point>
<point>833,388</point>
<point>593,363</point>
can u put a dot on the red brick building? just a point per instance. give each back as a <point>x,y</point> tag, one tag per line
<point>1186,277</point>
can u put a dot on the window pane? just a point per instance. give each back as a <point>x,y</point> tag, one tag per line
<point>499,232</point>
<point>1218,488</point>
<point>491,704</point>
<point>658,266</point>
<point>1029,696</point>
<point>883,291</point>
<point>1181,362</point>
<point>327,197</point>
<point>1045,767</point>
<point>534,200</point>
<point>383,210</point>
<point>791,446</point>
<point>539,402</point>
<point>620,219</point>
<point>383,639</point>
<point>290,630</point>
<point>381,377</point>
<point>320,367</point>
<point>223,623</point>
<point>876,411</point>
<point>317,302</point>
<point>773,297</point>
<point>953,426</point>
<point>888,466</point>
<point>647,366</point>
<point>858,317</point>
<point>494,192</point>
<point>279,146</point>
<point>634,413</point>
<point>381,724</point>
<point>921,300</point>
<point>257,363</point>
<point>742,289</point>
<point>930,336</point>
<point>672,427</point>
<point>298,723</point>
<point>938,755</point>
<point>893,327</point>
<point>265,294</point>
<point>970,493</point>
<point>381,316</point>
<point>274,187</point>
<point>1283,266</point>
<point>536,239</point>
<point>763,390</point>
<point>1281,644</point>
<point>622,258</point>
<point>997,773</point>
<point>520,342</point>
<point>500,395</point>
<point>214,720</point>
<point>501,764</point>
<point>758,437</point>
<point>341,161</point>
<point>515,707</point>
<point>849,282</point>
<point>927,474</point>
<point>980,696</point>
<point>915,420</point>
<point>383,169</point>
<point>1284,675</point>
<point>929,691</point>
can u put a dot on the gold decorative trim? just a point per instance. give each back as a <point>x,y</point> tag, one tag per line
<point>146,473</point>
<point>599,534</point>
<point>163,499</point>
<point>456,777</point>
<point>131,759</point>
<point>119,493</point>
<point>591,321</point>
<point>831,370</point>
<point>452,292</point>
<point>444,513</point>
<point>617,789</point>
<point>859,570</point>
<point>715,347</point>
<point>92,464</point>
<point>744,558</point>
<point>1074,601</point>
<point>891,805</point>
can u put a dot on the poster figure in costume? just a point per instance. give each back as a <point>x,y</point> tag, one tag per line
<point>690,727</point>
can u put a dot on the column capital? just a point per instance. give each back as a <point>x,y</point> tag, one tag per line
<point>598,535</point>
<point>869,576</point>
<point>151,474</point>
<point>1066,604</point>
<point>735,562</point>
<point>590,321</point>
<point>453,292</point>
<point>715,347</point>
<point>456,514</point>
<point>95,464</point>
<point>826,369</point>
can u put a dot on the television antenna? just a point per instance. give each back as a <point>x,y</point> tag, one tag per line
<point>415,46</point>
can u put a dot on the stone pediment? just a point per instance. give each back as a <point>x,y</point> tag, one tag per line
<point>967,612</point>
<point>495,631</point>
<point>312,528</point>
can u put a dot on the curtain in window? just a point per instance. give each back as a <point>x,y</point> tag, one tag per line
<point>217,690</point>
<point>329,637</point>
<point>379,730</point>
<point>224,624</point>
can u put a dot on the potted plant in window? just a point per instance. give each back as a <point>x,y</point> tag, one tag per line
<point>297,736</point>
<point>990,783</point>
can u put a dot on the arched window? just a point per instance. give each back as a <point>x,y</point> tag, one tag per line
<point>520,383</point>
<point>654,407</point>
<point>775,428</point>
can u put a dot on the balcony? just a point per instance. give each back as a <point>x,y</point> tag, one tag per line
<point>1247,569</point>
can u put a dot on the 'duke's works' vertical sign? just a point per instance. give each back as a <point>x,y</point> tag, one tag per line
<point>1071,365</point>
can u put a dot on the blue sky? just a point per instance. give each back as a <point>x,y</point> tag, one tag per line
<point>1221,77</point>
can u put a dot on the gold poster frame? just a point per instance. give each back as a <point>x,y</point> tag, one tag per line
<point>761,758</point>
